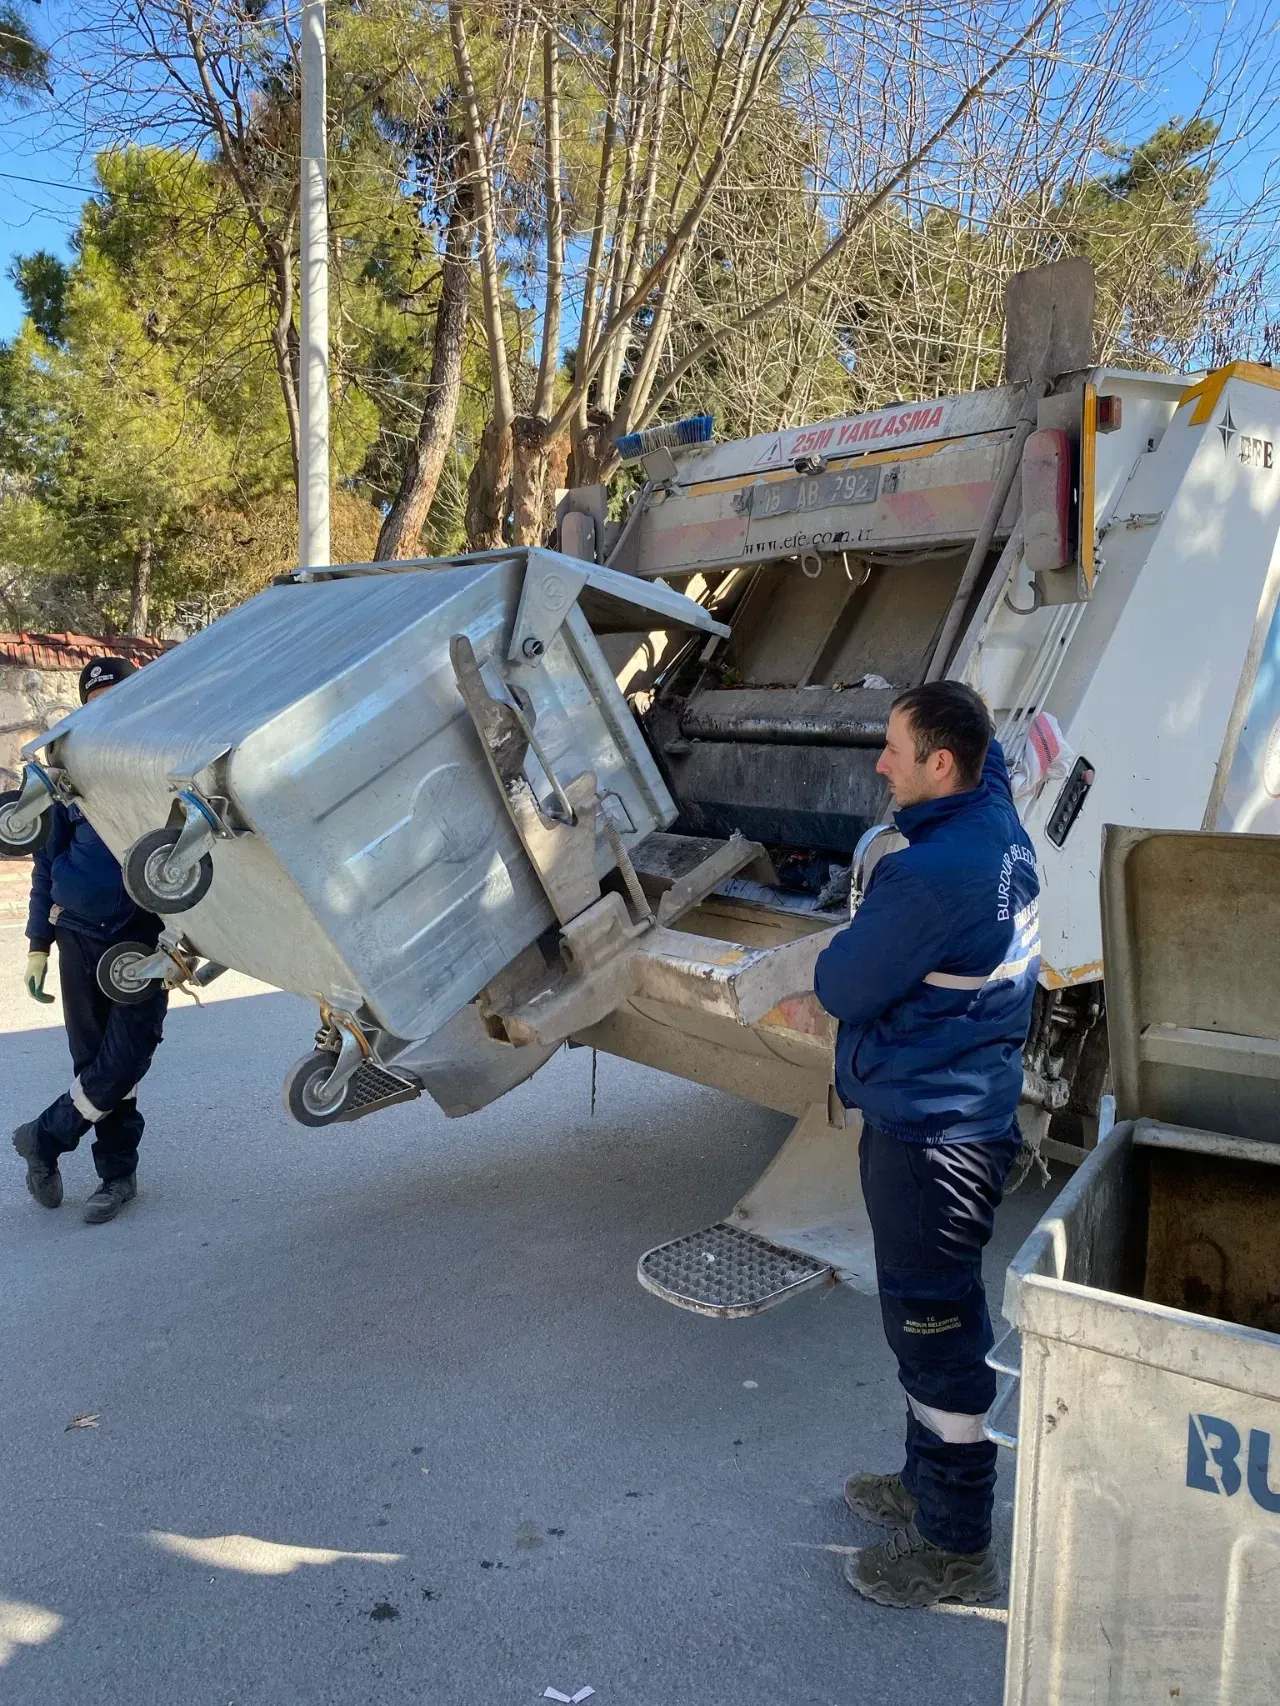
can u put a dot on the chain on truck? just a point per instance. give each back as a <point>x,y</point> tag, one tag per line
<point>618,793</point>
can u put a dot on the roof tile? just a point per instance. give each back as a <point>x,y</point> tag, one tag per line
<point>73,651</point>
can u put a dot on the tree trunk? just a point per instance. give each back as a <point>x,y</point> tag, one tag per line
<point>140,592</point>
<point>539,462</point>
<point>486,219</point>
<point>553,301</point>
<point>595,455</point>
<point>284,343</point>
<point>489,488</point>
<point>402,528</point>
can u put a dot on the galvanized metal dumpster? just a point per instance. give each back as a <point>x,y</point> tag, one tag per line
<point>1141,1378</point>
<point>360,848</point>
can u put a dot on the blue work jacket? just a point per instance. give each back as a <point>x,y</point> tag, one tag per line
<point>77,872</point>
<point>933,980</point>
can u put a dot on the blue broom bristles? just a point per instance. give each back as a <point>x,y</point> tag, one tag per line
<point>696,429</point>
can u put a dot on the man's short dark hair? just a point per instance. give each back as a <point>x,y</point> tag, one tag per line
<point>948,716</point>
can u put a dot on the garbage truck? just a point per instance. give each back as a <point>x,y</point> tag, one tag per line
<point>617,792</point>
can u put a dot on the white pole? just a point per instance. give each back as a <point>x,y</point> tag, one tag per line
<point>313,468</point>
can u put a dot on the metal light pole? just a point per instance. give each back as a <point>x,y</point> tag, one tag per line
<point>313,460</point>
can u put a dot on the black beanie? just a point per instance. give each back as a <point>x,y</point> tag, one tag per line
<point>102,672</point>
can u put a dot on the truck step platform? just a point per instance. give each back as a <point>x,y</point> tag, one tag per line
<point>725,1272</point>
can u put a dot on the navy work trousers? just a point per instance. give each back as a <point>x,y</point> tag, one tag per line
<point>932,1208</point>
<point>111,1049</point>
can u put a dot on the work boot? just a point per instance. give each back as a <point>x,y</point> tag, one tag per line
<point>44,1181</point>
<point>109,1198</point>
<point>880,1498</point>
<point>909,1571</point>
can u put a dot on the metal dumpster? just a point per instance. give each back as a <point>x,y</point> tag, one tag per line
<point>348,836</point>
<point>1141,1376</point>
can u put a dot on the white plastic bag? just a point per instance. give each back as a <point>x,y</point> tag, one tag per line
<point>1039,755</point>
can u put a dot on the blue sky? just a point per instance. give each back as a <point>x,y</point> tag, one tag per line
<point>35,216</point>
<point>40,200</point>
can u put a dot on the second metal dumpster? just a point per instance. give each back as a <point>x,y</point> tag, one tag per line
<point>1142,1373</point>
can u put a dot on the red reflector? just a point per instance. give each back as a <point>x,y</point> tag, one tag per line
<point>1046,500</point>
<point>1108,414</point>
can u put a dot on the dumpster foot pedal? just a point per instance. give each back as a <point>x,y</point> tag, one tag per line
<point>725,1272</point>
<point>373,1087</point>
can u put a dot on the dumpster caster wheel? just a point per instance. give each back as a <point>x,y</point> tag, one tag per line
<point>304,1093</point>
<point>118,977</point>
<point>150,883</point>
<point>21,837</point>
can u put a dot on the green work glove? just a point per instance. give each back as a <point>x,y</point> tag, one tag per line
<point>37,971</point>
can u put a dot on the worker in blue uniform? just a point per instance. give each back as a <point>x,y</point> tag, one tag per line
<point>932,983</point>
<point>79,901</point>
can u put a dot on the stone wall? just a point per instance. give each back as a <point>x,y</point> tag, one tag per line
<point>31,701</point>
<point>40,684</point>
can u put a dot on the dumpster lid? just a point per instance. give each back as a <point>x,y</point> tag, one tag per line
<point>612,602</point>
<point>1191,945</point>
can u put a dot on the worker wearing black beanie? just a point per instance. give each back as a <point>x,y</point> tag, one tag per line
<point>79,900</point>
<point>102,672</point>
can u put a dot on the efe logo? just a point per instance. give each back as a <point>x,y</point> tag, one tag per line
<point>1254,452</point>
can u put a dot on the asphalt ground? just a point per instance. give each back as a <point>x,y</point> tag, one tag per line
<point>380,1414</point>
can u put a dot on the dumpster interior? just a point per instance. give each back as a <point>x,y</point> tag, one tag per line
<point>1179,1217</point>
<point>1190,924</point>
<point>1212,1243</point>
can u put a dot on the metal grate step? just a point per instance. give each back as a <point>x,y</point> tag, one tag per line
<point>725,1272</point>
<point>373,1087</point>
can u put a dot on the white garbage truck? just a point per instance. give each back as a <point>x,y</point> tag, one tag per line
<point>618,793</point>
